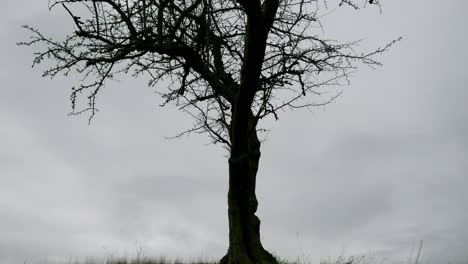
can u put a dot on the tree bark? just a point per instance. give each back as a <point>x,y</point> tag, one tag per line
<point>244,226</point>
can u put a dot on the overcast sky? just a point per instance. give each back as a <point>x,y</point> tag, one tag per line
<point>382,168</point>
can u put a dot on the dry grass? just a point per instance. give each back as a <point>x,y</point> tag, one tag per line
<point>165,260</point>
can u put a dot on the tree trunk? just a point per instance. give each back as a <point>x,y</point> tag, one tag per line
<point>244,226</point>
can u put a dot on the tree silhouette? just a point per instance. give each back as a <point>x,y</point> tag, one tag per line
<point>227,63</point>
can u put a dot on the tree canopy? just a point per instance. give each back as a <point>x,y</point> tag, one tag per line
<point>198,48</point>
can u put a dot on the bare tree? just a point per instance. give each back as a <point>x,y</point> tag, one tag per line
<point>228,63</point>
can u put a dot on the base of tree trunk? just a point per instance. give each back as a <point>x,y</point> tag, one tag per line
<point>264,258</point>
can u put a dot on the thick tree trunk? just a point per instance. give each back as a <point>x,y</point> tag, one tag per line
<point>244,226</point>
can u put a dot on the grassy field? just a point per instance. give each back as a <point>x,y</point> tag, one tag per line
<point>164,260</point>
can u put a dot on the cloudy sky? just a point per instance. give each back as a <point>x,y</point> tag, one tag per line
<point>382,168</point>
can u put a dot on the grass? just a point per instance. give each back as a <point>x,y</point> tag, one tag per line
<point>165,260</point>
<point>141,259</point>
<point>160,260</point>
